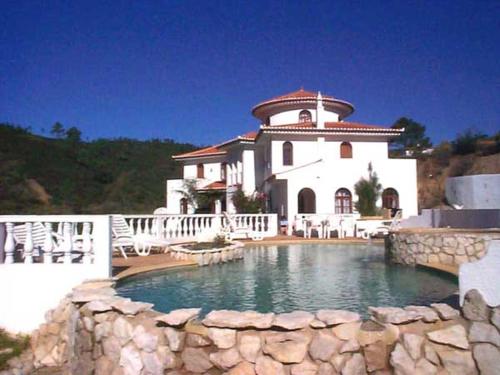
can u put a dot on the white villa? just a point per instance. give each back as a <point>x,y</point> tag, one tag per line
<point>304,156</point>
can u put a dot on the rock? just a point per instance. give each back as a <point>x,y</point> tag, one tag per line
<point>111,348</point>
<point>317,324</point>
<point>326,369</point>
<point>287,351</point>
<point>355,365</point>
<point>347,331</point>
<point>401,361</point>
<point>102,330</point>
<point>167,358</point>
<point>323,346</point>
<point>376,356</point>
<point>196,340</point>
<point>305,368</point>
<point>394,315</point>
<point>431,355</point>
<point>458,362</point>
<point>349,346</point>
<point>413,345</point>
<point>84,296</point>
<point>495,317</point>
<point>128,307</point>
<point>334,317</point>
<point>130,360</point>
<point>88,323</point>
<point>237,319</point>
<point>424,367</point>
<point>484,332</point>
<point>222,338</point>
<point>104,366</point>
<point>445,311</point>
<point>338,361</point>
<point>144,340</point>
<point>293,320</point>
<point>453,336</point>
<point>474,306</point>
<point>175,339</point>
<point>225,359</point>
<point>371,332</point>
<point>243,368</point>
<point>95,284</point>
<point>487,358</point>
<point>122,330</point>
<point>196,360</point>
<point>97,306</point>
<point>249,346</point>
<point>152,363</point>
<point>267,366</point>
<point>428,314</point>
<point>178,317</point>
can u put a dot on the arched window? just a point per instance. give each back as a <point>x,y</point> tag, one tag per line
<point>223,174</point>
<point>307,201</point>
<point>287,153</point>
<point>184,206</point>
<point>305,116</point>
<point>343,201</point>
<point>200,171</point>
<point>345,150</point>
<point>390,198</point>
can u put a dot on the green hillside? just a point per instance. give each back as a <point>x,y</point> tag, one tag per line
<point>67,175</point>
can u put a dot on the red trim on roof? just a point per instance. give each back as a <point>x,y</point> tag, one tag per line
<point>217,185</point>
<point>207,151</point>
<point>299,94</point>
<point>339,125</point>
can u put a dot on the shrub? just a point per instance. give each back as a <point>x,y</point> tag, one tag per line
<point>368,191</point>
<point>466,142</point>
<point>253,204</point>
<point>461,166</point>
<point>442,154</point>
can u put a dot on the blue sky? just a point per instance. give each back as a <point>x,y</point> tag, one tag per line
<point>192,70</point>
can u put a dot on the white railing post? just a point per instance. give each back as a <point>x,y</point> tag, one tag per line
<point>86,243</point>
<point>3,237</point>
<point>48,244</point>
<point>28,244</point>
<point>68,243</point>
<point>102,246</point>
<point>10,244</point>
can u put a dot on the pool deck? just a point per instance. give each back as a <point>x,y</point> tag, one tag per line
<point>134,265</point>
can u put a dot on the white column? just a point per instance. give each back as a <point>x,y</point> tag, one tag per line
<point>248,166</point>
<point>320,112</point>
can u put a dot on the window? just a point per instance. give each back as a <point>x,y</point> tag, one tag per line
<point>305,116</point>
<point>345,150</point>
<point>287,153</point>
<point>184,206</point>
<point>343,201</point>
<point>390,198</point>
<point>223,174</point>
<point>200,172</point>
<point>307,201</point>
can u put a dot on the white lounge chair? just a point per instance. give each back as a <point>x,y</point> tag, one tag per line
<point>39,237</point>
<point>383,230</point>
<point>233,231</point>
<point>124,238</point>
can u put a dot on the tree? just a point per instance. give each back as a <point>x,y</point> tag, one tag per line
<point>413,138</point>
<point>74,135</point>
<point>248,204</point>
<point>368,191</point>
<point>57,130</point>
<point>466,142</point>
<point>201,200</point>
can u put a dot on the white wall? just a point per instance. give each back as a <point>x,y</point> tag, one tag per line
<point>211,171</point>
<point>292,117</point>
<point>474,192</point>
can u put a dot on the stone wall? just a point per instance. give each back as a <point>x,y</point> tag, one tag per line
<point>438,246</point>
<point>93,331</point>
<point>209,256</point>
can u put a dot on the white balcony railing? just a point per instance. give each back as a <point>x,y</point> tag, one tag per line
<point>181,228</point>
<point>347,222</point>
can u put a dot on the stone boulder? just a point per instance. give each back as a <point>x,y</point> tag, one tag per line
<point>453,336</point>
<point>293,320</point>
<point>334,317</point>
<point>179,317</point>
<point>237,319</point>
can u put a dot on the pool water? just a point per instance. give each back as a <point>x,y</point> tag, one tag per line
<point>293,277</point>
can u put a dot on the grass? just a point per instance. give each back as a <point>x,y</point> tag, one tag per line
<point>17,343</point>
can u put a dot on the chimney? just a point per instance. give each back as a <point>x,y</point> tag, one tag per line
<point>320,112</point>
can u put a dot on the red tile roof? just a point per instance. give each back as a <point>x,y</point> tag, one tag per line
<point>299,94</point>
<point>217,185</point>
<point>207,151</point>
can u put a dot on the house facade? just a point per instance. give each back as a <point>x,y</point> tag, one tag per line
<point>305,157</point>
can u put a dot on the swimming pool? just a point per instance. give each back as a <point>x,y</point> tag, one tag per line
<point>293,277</point>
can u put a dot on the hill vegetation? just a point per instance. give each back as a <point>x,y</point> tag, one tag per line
<point>67,175</point>
<point>63,174</point>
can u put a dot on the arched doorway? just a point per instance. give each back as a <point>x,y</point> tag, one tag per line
<point>184,206</point>
<point>306,201</point>
<point>390,198</point>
